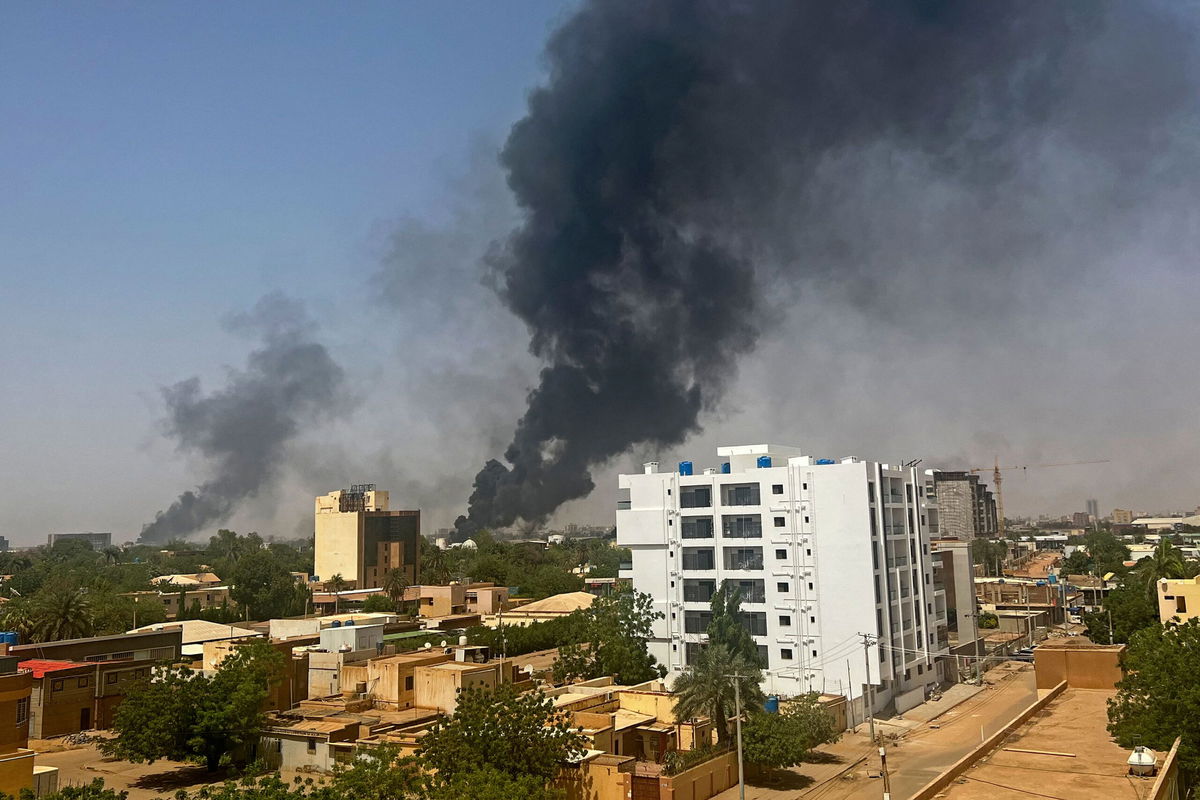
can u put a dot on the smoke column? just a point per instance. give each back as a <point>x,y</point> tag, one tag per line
<point>670,179</point>
<point>244,428</point>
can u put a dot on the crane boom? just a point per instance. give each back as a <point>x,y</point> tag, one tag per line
<point>997,480</point>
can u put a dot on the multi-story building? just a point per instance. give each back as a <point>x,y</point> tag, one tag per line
<point>1122,516</point>
<point>1093,510</point>
<point>966,508</point>
<point>830,556</point>
<point>1081,519</point>
<point>358,538</point>
<point>16,759</point>
<point>98,541</point>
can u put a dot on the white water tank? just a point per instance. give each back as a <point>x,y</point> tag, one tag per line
<point>1142,761</point>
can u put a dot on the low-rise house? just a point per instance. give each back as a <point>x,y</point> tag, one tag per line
<point>72,696</point>
<point>1178,600</point>
<point>150,645</point>
<point>195,632</point>
<point>187,580</point>
<point>17,768</point>
<point>553,607</point>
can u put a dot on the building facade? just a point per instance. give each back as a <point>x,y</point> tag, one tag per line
<point>98,541</point>
<point>16,759</point>
<point>823,551</point>
<point>966,508</point>
<point>1122,516</point>
<point>359,538</point>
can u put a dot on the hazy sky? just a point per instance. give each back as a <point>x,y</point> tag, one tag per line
<point>165,165</point>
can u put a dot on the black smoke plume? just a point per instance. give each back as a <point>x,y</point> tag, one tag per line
<point>243,429</point>
<point>670,178</point>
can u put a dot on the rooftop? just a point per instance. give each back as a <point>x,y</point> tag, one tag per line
<point>1076,759</point>
<point>41,666</point>
<point>196,631</point>
<point>558,604</point>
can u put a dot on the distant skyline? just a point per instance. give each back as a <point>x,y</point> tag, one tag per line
<point>168,164</point>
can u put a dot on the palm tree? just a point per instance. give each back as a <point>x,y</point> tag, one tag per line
<point>1165,562</point>
<point>706,687</point>
<point>112,554</point>
<point>337,584</point>
<point>394,583</point>
<point>59,613</point>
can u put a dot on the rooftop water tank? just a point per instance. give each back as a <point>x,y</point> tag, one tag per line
<point>772,704</point>
<point>1142,761</point>
<point>337,623</point>
<point>348,623</point>
<point>825,461</point>
<point>685,468</point>
<point>725,468</point>
<point>764,462</point>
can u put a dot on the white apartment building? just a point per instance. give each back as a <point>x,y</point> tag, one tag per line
<point>824,552</point>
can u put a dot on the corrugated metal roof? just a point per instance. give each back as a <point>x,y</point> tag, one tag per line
<point>41,666</point>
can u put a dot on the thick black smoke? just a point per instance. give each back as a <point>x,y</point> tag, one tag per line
<point>670,176</point>
<point>243,429</point>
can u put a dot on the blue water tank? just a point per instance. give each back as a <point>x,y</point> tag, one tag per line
<point>685,468</point>
<point>725,468</point>
<point>1053,578</point>
<point>337,623</point>
<point>10,637</point>
<point>772,704</point>
<point>349,623</point>
<point>825,461</point>
<point>1040,583</point>
<point>764,462</point>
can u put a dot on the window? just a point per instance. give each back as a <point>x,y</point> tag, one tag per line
<point>804,486</point>
<point>814,653</point>
<point>810,586</point>
<point>786,654</point>
<point>56,686</point>
<point>808,551</point>
<point>698,591</point>
<point>22,710</point>
<point>312,745</point>
<point>755,622</point>
<point>781,554</point>
<point>698,558</point>
<point>697,527</point>
<point>785,620</point>
<point>777,488</point>
<point>740,494</point>
<point>696,621</point>
<point>1181,604</point>
<point>110,678</point>
<point>82,683</point>
<point>806,518</point>
<point>741,526</point>
<point>780,522</point>
<point>691,650</point>
<point>695,497</point>
<point>743,558</point>
<point>782,587</point>
<point>753,591</point>
<point>763,658</point>
<point>813,620</point>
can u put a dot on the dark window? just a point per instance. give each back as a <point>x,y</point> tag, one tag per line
<point>22,710</point>
<point>695,497</point>
<point>110,678</point>
<point>696,621</point>
<point>781,587</point>
<point>777,488</point>
<point>408,683</point>
<point>312,745</point>
<point>741,526</point>
<point>1181,604</point>
<point>781,554</point>
<point>743,558</point>
<point>698,558</point>
<point>785,654</point>
<point>745,494</point>
<point>755,622</point>
<point>753,591</point>
<point>56,686</point>
<point>804,486</point>
<point>697,527</point>
<point>810,586</point>
<point>780,522</point>
<point>785,620</point>
<point>691,650</point>
<point>698,591</point>
<point>81,683</point>
<point>763,658</point>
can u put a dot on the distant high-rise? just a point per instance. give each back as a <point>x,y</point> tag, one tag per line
<point>98,541</point>
<point>967,509</point>
<point>1093,510</point>
<point>1122,516</point>
<point>1081,519</point>
<point>358,538</point>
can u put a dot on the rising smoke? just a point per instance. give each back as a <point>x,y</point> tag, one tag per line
<point>690,165</point>
<point>243,430</point>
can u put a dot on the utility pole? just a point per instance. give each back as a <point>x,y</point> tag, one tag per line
<point>1110,630</point>
<point>887,781</point>
<point>978,643</point>
<point>737,701</point>
<point>868,695</point>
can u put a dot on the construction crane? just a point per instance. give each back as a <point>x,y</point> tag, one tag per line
<point>996,479</point>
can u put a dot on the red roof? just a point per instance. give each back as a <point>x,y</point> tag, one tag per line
<point>41,666</point>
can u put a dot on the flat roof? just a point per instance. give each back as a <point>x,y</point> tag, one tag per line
<point>1088,764</point>
<point>40,666</point>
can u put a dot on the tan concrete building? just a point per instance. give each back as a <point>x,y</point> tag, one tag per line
<point>1178,600</point>
<point>359,538</point>
<point>1122,516</point>
<point>16,759</point>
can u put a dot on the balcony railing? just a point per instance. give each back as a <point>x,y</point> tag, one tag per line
<point>744,563</point>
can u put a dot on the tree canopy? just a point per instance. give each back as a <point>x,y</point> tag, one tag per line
<point>783,740</point>
<point>613,634</point>
<point>706,688</point>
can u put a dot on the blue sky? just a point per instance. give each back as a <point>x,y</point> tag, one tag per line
<point>164,164</point>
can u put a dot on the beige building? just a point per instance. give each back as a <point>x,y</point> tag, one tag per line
<point>359,538</point>
<point>1178,599</point>
<point>1122,516</point>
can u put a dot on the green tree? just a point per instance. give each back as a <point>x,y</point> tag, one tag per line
<point>1165,562</point>
<point>61,612</point>
<point>492,784</point>
<point>378,604</point>
<point>1131,611</point>
<point>434,568</point>
<point>394,585</point>
<point>1078,563</point>
<point>613,636</point>
<point>728,624</point>
<point>988,620</point>
<point>88,791</point>
<point>182,714</point>
<point>520,735</point>
<point>546,580</point>
<point>706,687</point>
<point>776,741</point>
<point>1108,553</point>
<point>264,587</point>
<point>1158,699</point>
<point>337,584</point>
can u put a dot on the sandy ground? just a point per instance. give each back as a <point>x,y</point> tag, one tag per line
<point>82,765</point>
<point>917,752</point>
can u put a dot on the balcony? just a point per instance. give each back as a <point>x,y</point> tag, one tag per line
<point>744,563</point>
